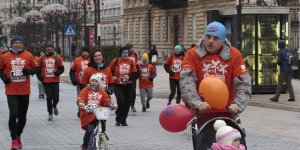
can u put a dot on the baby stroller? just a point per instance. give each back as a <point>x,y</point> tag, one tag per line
<point>205,135</point>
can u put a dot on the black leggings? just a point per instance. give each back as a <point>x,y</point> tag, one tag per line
<point>88,132</point>
<point>18,106</point>
<point>174,84</point>
<point>133,96</point>
<point>52,93</point>
<point>123,94</point>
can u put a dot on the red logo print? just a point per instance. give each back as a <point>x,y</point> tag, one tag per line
<point>212,28</point>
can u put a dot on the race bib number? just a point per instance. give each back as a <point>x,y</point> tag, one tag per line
<point>17,76</point>
<point>176,68</point>
<point>144,72</point>
<point>102,113</point>
<point>49,73</point>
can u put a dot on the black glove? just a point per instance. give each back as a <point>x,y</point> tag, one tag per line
<point>56,73</point>
<point>74,82</point>
<point>26,71</point>
<point>5,79</point>
<point>40,77</point>
<point>151,79</point>
<point>109,92</point>
<point>171,73</point>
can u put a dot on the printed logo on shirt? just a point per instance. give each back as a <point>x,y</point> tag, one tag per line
<point>16,73</point>
<point>177,65</point>
<point>94,97</point>
<point>214,68</point>
<point>50,67</point>
<point>124,68</point>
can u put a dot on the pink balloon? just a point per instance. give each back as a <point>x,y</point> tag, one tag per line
<point>174,117</point>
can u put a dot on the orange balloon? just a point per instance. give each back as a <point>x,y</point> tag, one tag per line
<point>215,92</point>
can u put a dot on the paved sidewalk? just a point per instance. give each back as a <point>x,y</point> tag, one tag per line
<point>161,90</point>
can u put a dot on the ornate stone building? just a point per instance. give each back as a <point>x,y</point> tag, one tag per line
<point>254,26</point>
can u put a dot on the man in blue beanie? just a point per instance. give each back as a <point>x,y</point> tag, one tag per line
<point>173,66</point>
<point>214,56</point>
<point>16,66</point>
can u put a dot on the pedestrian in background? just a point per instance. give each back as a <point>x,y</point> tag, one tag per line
<point>133,56</point>
<point>51,67</point>
<point>147,74</point>
<point>16,66</point>
<point>40,84</point>
<point>153,54</point>
<point>173,66</point>
<point>78,67</point>
<point>285,75</point>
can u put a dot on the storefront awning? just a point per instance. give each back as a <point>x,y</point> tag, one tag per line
<point>169,4</point>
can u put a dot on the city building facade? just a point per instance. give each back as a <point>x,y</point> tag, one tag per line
<point>254,26</point>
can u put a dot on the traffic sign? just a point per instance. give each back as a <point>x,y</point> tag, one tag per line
<point>70,30</point>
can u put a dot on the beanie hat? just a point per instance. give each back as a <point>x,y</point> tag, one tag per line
<point>178,47</point>
<point>85,48</point>
<point>16,38</point>
<point>97,76</point>
<point>216,29</point>
<point>49,44</point>
<point>145,56</point>
<point>225,134</point>
<point>129,45</point>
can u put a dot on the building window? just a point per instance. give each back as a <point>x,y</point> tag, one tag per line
<point>141,29</point>
<point>128,30</point>
<point>153,29</point>
<point>161,28</point>
<point>185,28</point>
<point>194,27</point>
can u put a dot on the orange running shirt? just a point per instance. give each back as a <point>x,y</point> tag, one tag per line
<point>12,65</point>
<point>146,71</point>
<point>89,96</point>
<point>134,58</point>
<point>175,64</point>
<point>105,73</point>
<point>79,65</point>
<point>121,68</point>
<point>213,65</point>
<point>49,66</point>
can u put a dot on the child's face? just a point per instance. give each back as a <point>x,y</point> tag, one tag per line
<point>236,143</point>
<point>94,83</point>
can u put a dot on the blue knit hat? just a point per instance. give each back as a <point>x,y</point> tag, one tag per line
<point>178,47</point>
<point>16,38</point>
<point>216,29</point>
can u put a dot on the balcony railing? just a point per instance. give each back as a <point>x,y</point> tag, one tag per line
<point>271,3</point>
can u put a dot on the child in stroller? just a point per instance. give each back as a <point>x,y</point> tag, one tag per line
<point>204,136</point>
<point>227,138</point>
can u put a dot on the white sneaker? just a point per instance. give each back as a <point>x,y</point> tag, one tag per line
<point>50,118</point>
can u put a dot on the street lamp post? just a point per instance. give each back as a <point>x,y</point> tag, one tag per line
<point>86,37</point>
<point>239,24</point>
